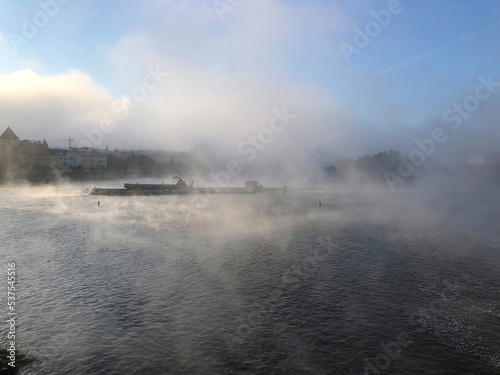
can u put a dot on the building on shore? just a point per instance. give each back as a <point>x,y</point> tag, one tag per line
<point>86,158</point>
<point>34,153</point>
<point>9,151</point>
<point>21,155</point>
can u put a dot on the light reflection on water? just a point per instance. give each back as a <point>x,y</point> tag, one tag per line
<point>252,284</point>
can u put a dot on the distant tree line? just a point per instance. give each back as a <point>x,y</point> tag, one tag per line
<point>368,168</point>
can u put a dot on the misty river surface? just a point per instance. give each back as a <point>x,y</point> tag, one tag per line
<point>251,284</point>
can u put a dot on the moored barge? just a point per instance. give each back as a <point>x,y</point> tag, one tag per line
<point>181,187</point>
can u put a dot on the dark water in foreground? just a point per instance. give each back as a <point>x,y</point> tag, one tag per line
<point>259,284</point>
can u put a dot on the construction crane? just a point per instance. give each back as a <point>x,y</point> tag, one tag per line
<point>69,140</point>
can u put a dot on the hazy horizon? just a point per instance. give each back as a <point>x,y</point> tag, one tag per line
<point>344,213</point>
<point>172,74</point>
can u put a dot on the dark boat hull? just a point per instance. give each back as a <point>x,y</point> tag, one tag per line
<point>129,192</point>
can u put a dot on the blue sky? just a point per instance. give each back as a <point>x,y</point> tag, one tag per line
<point>262,54</point>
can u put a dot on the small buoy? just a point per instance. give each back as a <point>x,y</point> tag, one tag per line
<point>319,203</point>
<point>98,203</point>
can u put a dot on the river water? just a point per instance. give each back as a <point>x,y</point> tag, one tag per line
<point>268,283</point>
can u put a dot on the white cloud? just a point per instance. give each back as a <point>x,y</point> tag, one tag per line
<point>51,107</point>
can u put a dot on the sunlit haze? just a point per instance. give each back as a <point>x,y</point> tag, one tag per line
<point>250,187</point>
